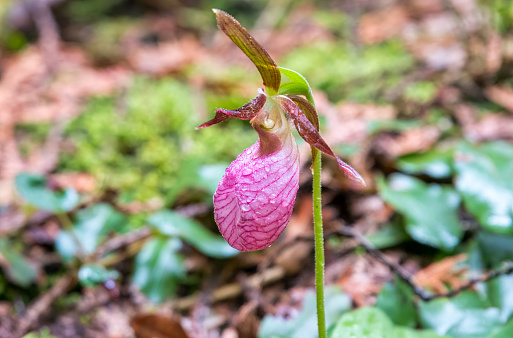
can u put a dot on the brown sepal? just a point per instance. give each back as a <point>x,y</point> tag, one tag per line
<point>310,134</point>
<point>253,50</point>
<point>246,112</point>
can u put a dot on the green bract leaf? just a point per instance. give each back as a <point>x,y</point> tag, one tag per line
<point>90,275</point>
<point>485,181</point>
<point>464,316</point>
<point>256,53</point>
<point>173,224</point>
<point>437,163</point>
<point>16,267</point>
<point>158,268</point>
<point>32,188</point>
<point>372,322</point>
<point>305,323</point>
<point>297,85</point>
<point>91,227</point>
<point>396,300</point>
<point>431,211</point>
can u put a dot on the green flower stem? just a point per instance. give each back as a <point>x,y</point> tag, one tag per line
<point>319,235</point>
<point>319,242</point>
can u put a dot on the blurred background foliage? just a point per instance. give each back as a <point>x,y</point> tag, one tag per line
<point>106,187</point>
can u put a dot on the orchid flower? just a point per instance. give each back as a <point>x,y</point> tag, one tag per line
<point>254,199</point>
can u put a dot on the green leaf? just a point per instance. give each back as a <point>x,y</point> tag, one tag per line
<point>305,323</point>
<point>500,294</point>
<point>505,331</point>
<point>32,188</point>
<point>437,163</point>
<point>16,267</point>
<point>370,322</point>
<point>496,248</point>
<point>396,300</point>
<point>431,211</point>
<point>173,224</point>
<point>159,267</point>
<point>464,316</point>
<point>90,228</point>
<point>390,235</point>
<point>253,50</point>
<point>484,180</point>
<point>209,176</point>
<point>91,275</point>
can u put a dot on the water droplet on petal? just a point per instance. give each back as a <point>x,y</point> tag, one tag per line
<point>247,171</point>
<point>272,196</point>
<point>267,168</point>
<point>245,207</point>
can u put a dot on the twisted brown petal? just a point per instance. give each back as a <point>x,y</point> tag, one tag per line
<point>310,134</point>
<point>246,112</point>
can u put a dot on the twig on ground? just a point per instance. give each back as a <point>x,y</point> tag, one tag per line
<point>121,241</point>
<point>400,271</point>
<point>43,303</point>
<point>408,278</point>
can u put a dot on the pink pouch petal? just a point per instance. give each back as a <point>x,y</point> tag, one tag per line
<point>254,199</point>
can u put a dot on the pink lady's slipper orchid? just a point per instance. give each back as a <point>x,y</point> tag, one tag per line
<point>254,199</point>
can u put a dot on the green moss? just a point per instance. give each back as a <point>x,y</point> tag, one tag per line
<point>345,73</point>
<point>137,144</point>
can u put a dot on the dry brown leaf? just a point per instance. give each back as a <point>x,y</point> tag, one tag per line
<point>166,57</point>
<point>157,326</point>
<point>347,122</point>
<point>413,140</point>
<point>382,25</point>
<point>490,127</point>
<point>81,182</point>
<point>363,278</point>
<point>28,94</point>
<point>438,275</point>
<point>503,96</point>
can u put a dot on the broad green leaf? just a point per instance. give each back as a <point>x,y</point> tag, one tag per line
<point>431,211</point>
<point>390,235</point>
<point>32,188</point>
<point>370,322</point>
<point>90,275</point>
<point>159,267</point>
<point>256,53</point>
<point>209,177</point>
<point>305,323</point>
<point>464,316</point>
<point>484,180</point>
<point>396,300</point>
<point>16,267</point>
<point>437,163</point>
<point>495,248</point>
<point>500,294</point>
<point>90,228</point>
<point>173,224</point>
<point>505,331</point>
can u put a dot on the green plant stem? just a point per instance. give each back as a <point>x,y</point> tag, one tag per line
<point>319,236</point>
<point>319,242</point>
